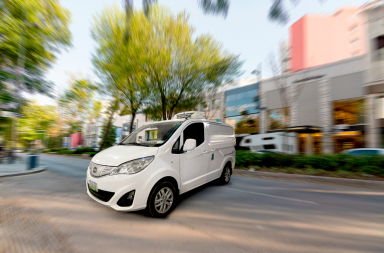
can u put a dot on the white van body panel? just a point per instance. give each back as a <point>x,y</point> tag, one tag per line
<point>189,169</point>
<point>271,141</point>
<point>222,143</point>
<point>117,155</point>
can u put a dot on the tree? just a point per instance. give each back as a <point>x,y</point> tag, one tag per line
<point>277,12</point>
<point>32,32</point>
<point>38,122</point>
<point>108,135</point>
<point>181,66</point>
<point>118,61</point>
<point>77,103</point>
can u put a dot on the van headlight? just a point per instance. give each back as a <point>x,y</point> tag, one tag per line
<point>133,166</point>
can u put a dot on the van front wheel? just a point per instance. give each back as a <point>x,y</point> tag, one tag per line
<point>162,199</point>
<point>225,175</point>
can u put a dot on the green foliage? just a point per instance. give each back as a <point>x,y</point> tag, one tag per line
<point>91,153</point>
<point>57,149</point>
<point>66,152</point>
<point>158,61</point>
<point>37,122</point>
<point>32,32</point>
<point>77,103</point>
<point>372,165</point>
<point>83,150</point>
<point>111,138</point>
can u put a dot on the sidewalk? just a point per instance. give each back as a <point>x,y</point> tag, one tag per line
<point>356,183</point>
<point>18,168</point>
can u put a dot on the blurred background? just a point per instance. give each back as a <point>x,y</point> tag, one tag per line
<point>301,83</point>
<point>84,75</point>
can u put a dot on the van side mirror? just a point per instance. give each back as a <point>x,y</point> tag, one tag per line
<point>189,145</point>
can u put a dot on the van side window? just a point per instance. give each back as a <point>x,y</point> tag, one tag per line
<point>194,131</point>
<point>176,146</point>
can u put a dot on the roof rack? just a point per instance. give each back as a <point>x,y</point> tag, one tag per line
<point>190,115</point>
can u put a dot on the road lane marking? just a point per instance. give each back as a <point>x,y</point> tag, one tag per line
<point>273,196</point>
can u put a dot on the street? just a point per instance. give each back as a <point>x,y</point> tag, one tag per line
<point>247,215</point>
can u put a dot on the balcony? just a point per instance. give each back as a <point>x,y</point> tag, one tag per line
<point>378,54</point>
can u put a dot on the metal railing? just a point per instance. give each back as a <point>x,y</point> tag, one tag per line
<point>378,54</point>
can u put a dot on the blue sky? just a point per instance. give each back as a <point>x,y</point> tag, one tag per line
<point>246,31</point>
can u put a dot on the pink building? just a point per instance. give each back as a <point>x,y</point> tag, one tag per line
<point>320,39</point>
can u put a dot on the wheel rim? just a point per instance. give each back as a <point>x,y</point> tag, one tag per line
<point>227,174</point>
<point>164,200</point>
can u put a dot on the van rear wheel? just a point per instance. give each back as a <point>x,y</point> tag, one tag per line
<point>225,175</point>
<point>162,199</point>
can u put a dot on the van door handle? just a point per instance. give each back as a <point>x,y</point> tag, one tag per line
<point>212,150</point>
<point>205,151</point>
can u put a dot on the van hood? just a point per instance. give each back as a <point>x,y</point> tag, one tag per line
<point>116,155</point>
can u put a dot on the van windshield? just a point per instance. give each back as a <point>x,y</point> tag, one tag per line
<point>152,135</point>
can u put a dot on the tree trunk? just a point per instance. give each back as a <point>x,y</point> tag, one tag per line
<point>170,114</point>
<point>164,108</point>
<point>106,132</point>
<point>132,120</point>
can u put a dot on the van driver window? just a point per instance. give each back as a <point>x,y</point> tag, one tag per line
<point>194,131</point>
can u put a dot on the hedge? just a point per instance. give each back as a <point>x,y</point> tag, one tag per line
<point>66,152</point>
<point>373,165</point>
<point>83,150</point>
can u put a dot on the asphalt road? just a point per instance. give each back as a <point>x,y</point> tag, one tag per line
<point>247,215</point>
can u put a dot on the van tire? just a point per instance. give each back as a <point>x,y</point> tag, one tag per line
<point>157,196</point>
<point>226,174</point>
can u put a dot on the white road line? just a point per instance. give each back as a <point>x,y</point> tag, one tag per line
<point>272,196</point>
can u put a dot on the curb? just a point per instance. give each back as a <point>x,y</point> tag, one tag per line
<point>356,183</point>
<point>33,171</point>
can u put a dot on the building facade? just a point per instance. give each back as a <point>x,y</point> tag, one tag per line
<point>325,106</point>
<point>241,109</point>
<point>321,39</point>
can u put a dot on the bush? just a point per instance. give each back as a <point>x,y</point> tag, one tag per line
<point>57,149</point>
<point>372,165</point>
<point>66,152</point>
<point>91,153</point>
<point>83,150</point>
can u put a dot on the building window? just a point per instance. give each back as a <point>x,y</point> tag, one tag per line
<point>354,43</point>
<point>244,124</point>
<point>378,53</point>
<point>278,119</point>
<point>349,112</point>
<point>353,29</point>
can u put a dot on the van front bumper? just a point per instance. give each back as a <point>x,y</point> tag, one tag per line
<point>112,188</point>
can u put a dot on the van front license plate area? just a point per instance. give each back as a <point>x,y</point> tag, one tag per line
<point>92,185</point>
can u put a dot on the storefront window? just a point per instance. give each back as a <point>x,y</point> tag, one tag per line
<point>244,124</point>
<point>278,119</point>
<point>349,112</point>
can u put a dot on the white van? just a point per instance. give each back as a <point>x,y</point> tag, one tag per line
<point>175,156</point>
<point>278,142</point>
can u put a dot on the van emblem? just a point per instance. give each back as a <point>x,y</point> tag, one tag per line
<point>94,170</point>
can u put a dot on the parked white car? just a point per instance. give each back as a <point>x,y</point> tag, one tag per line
<point>364,151</point>
<point>175,156</point>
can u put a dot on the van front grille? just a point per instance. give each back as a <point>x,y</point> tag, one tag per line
<point>101,195</point>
